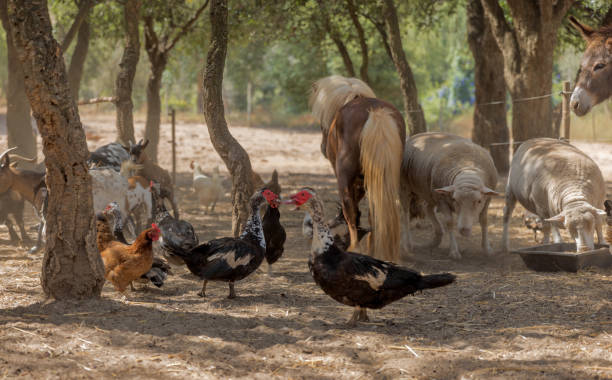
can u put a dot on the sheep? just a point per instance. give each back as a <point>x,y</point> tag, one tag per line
<point>562,185</point>
<point>455,179</point>
<point>29,184</point>
<point>153,172</point>
<point>208,189</point>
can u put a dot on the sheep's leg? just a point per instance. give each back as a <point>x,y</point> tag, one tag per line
<point>508,208</point>
<point>406,238</point>
<point>446,220</point>
<point>556,235</point>
<point>438,232</point>
<point>232,291</point>
<point>484,227</point>
<point>599,230</point>
<point>202,293</point>
<point>546,227</point>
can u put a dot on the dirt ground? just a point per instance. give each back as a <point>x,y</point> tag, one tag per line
<point>498,321</point>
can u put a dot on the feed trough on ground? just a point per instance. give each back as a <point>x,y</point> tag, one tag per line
<point>563,257</point>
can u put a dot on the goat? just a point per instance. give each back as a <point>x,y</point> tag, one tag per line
<point>208,189</point>
<point>153,172</point>
<point>29,184</point>
<point>11,204</point>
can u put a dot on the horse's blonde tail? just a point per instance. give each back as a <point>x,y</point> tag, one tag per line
<point>381,159</point>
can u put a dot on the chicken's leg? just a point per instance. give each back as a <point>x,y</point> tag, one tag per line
<point>232,293</point>
<point>202,292</point>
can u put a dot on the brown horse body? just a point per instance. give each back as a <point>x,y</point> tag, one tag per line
<point>594,82</point>
<point>364,142</point>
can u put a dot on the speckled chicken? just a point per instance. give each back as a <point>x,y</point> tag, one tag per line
<point>353,279</point>
<point>230,259</point>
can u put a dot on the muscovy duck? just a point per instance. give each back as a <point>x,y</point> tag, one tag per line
<point>274,233</point>
<point>338,228</point>
<point>231,259</point>
<point>353,279</point>
<point>159,269</point>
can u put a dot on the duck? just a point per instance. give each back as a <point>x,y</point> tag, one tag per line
<point>230,259</point>
<point>353,279</point>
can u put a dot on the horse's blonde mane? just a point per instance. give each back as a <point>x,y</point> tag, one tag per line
<point>329,94</point>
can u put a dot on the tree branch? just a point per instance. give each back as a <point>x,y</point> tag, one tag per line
<point>84,8</point>
<point>562,7</point>
<point>363,70</point>
<point>380,26</point>
<point>185,28</point>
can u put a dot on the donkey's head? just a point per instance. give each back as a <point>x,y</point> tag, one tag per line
<point>594,82</point>
<point>137,154</point>
<point>6,175</point>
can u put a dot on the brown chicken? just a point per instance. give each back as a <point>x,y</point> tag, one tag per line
<point>125,263</point>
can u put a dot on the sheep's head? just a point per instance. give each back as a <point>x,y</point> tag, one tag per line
<point>5,170</point>
<point>580,222</point>
<point>137,151</point>
<point>468,202</point>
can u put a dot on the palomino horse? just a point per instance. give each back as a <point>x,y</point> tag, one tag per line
<point>363,139</point>
<point>594,82</point>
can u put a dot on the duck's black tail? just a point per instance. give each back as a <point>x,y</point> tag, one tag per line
<point>436,280</point>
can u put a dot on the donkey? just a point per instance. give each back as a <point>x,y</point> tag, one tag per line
<point>363,139</point>
<point>594,82</point>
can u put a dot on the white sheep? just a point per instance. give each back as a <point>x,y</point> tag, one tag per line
<point>208,189</point>
<point>562,185</point>
<point>455,179</point>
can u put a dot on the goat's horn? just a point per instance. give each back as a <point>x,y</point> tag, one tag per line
<point>6,152</point>
<point>19,157</point>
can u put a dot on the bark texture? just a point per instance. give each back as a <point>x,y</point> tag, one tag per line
<point>18,122</point>
<point>127,71</point>
<point>72,267</point>
<point>527,45</point>
<point>489,119</point>
<point>77,61</point>
<point>415,119</point>
<point>235,157</point>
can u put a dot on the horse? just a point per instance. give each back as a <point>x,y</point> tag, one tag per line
<point>594,81</point>
<point>363,138</point>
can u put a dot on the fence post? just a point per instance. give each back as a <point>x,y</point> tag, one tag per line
<point>565,115</point>
<point>173,121</point>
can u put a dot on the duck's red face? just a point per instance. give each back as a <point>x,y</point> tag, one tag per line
<point>299,198</point>
<point>271,198</point>
<point>154,233</point>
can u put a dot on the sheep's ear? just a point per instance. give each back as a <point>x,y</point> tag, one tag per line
<point>446,190</point>
<point>556,219</point>
<point>585,31</point>
<point>486,191</point>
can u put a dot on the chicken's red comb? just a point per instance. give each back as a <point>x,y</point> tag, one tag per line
<point>154,226</point>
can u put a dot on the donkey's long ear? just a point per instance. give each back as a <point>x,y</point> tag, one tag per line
<point>274,177</point>
<point>585,30</point>
<point>144,145</point>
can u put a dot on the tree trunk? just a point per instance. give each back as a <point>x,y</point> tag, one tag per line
<point>127,71</point>
<point>235,157</point>
<point>363,69</point>
<point>528,45</point>
<point>77,62</point>
<point>18,122</point>
<point>415,119</point>
<point>158,65</point>
<point>72,267</point>
<point>489,119</point>
<point>200,100</point>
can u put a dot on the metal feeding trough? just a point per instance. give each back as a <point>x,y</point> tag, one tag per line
<point>563,257</point>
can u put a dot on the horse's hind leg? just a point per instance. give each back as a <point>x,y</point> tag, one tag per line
<point>351,194</point>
